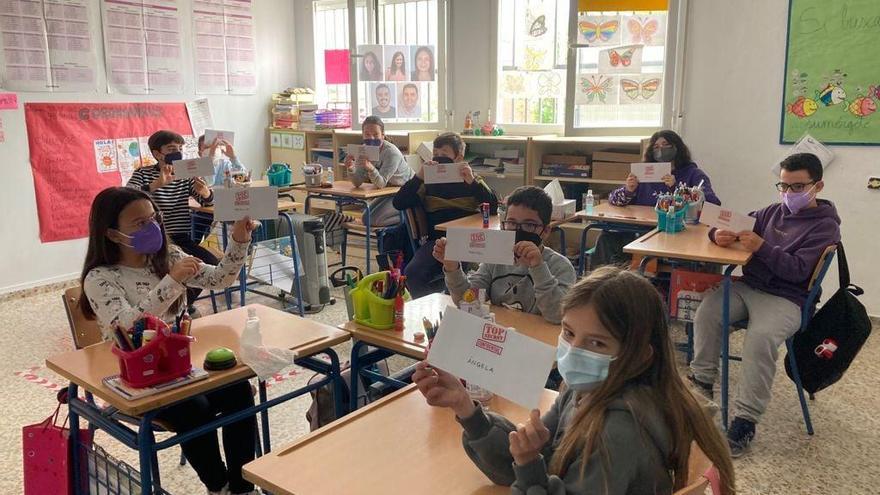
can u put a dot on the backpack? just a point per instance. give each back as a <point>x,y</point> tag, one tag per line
<point>836,333</point>
<point>322,411</point>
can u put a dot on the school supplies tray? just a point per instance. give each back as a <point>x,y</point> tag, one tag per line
<point>117,385</point>
<point>144,364</point>
<point>369,308</point>
<point>279,174</point>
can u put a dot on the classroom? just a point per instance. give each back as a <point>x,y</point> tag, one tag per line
<point>439,247</point>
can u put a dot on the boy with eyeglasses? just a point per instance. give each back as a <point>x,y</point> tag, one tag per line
<point>787,241</point>
<point>540,277</point>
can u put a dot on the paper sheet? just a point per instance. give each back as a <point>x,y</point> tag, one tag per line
<point>651,172</point>
<point>498,359</point>
<point>259,203</point>
<point>480,245</point>
<point>199,116</point>
<point>212,134</point>
<point>370,152</point>
<point>193,167</point>
<point>443,173</point>
<point>554,190</point>
<point>722,218</point>
<point>621,60</point>
<point>336,67</point>
<point>8,101</point>
<point>808,144</point>
<point>425,152</point>
<point>223,40</point>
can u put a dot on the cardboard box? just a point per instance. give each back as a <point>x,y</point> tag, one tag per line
<point>610,170</point>
<point>616,156</point>
<point>564,160</point>
<point>563,210</point>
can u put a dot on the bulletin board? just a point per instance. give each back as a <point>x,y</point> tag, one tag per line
<point>832,84</point>
<point>79,149</point>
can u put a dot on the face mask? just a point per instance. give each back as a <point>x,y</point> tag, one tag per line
<point>443,159</point>
<point>173,157</point>
<point>373,142</point>
<point>666,154</point>
<point>147,240</point>
<point>522,235</point>
<point>581,369</point>
<point>797,201</point>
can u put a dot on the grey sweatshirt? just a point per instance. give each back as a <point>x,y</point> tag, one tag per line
<point>536,290</point>
<point>637,445</point>
<point>392,170</point>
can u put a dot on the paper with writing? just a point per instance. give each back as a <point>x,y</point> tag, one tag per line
<point>199,116</point>
<point>361,150</point>
<point>498,359</point>
<point>480,245</point>
<point>235,203</point>
<point>443,173</point>
<point>651,172</point>
<point>425,152</point>
<point>212,134</point>
<point>722,218</point>
<point>193,167</point>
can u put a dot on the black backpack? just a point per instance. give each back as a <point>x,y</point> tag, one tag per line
<point>836,333</point>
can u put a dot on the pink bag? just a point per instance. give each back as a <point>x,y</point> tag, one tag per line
<point>47,451</point>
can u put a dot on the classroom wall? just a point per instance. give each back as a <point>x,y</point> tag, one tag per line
<point>24,260</point>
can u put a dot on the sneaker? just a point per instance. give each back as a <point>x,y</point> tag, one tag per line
<point>705,389</point>
<point>740,436</point>
<point>222,491</point>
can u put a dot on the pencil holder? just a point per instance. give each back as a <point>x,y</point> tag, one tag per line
<point>163,359</point>
<point>370,309</point>
<point>693,211</point>
<point>279,174</point>
<point>677,219</point>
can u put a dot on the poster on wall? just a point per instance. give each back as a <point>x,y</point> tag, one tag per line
<point>397,81</point>
<point>224,47</point>
<point>832,89</point>
<point>78,149</point>
<point>142,46</point>
<point>47,46</point>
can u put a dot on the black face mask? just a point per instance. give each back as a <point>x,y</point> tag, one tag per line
<point>522,235</point>
<point>443,159</point>
<point>173,157</point>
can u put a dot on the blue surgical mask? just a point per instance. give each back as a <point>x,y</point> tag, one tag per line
<point>373,142</point>
<point>581,369</point>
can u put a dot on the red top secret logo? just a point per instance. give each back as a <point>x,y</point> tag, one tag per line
<point>242,198</point>
<point>649,170</point>
<point>494,333</point>
<point>478,240</point>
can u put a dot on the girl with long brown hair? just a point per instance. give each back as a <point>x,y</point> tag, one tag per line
<point>624,421</point>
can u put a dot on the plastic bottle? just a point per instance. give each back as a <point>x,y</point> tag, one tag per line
<point>251,334</point>
<point>589,202</point>
<point>330,175</point>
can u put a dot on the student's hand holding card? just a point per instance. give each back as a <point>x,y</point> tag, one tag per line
<point>201,187</point>
<point>528,439</point>
<point>439,254</point>
<point>480,245</point>
<point>442,389</point>
<point>724,238</point>
<point>527,254</point>
<point>750,240</point>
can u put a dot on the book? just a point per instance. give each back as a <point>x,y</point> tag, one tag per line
<point>115,383</point>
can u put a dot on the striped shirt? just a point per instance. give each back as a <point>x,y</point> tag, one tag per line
<point>172,198</point>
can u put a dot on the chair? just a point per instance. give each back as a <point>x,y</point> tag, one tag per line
<point>701,474</point>
<point>809,307</point>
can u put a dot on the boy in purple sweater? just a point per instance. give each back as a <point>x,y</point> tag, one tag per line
<point>787,242</point>
<point>664,146</point>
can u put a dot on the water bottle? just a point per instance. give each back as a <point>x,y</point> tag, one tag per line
<point>330,175</point>
<point>589,202</point>
<point>251,334</point>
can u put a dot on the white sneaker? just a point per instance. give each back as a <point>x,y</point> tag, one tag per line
<point>223,491</point>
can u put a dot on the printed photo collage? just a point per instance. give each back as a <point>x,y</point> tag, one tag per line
<point>397,80</point>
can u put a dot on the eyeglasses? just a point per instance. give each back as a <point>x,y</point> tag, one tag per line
<point>534,228</point>
<point>796,187</point>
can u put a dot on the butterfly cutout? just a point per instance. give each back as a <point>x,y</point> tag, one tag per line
<point>548,83</point>
<point>602,32</point>
<point>645,89</point>
<point>534,58</point>
<point>538,27</point>
<point>643,31</point>
<point>596,87</point>
<point>617,59</point>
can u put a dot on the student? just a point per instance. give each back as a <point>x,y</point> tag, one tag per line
<point>227,161</point>
<point>441,203</point>
<point>664,146</point>
<point>172,196</point>
<point>396,70</point>
<point>391,170</point>
<point>787,241</point>
<point>424,62</point>
<point>371,68</point>
<point>384,104</point>
<point>540,277</point>
<point>409,107</point>
<point>624,419</point>
<point>132,269</point>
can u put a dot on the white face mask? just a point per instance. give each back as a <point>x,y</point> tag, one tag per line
<point>581,369</point>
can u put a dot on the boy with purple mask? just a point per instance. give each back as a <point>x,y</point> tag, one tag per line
<point>787,241</point>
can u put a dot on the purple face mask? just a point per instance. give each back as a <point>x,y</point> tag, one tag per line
<point>797,201</point>
<point>147,240</point>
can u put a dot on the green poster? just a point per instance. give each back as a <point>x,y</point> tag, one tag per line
<point>832,77</point>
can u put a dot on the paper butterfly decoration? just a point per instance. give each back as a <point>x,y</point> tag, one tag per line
<point>618,59</point>
<point>645,89</point>
<point>538,27</point>
<point>596,87</point>
<point>548,83</point>
<point>643,30</point>
<point>535,58</point>
<point>514,84</point>
<point>598,32</point>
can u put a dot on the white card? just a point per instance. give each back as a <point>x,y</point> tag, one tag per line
<point>808,144</point>
<point>722,218</point>
<point>193,167</point>
<point>361,150</point>
<point>651,172</point>
<point>425,152</point>
<point>498,359</point>
<point>212,134</point>
<point>443,173</point>
<point>480,245</point>
<point>235,203</point>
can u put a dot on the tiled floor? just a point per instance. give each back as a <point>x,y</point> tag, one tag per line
<point>840,458</point>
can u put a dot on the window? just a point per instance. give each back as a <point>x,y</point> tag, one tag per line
<point>330,26</point>
<point>532,58</point>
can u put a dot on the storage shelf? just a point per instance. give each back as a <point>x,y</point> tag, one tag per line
<point>322,150</point>
<point>585,180</point>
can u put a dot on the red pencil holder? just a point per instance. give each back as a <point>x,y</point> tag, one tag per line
<point>163,359</point>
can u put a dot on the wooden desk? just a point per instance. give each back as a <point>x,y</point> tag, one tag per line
<point>627,215</point>
<point>284,204</point>
<point>398,444</point>
<point>475,221</point>
<point>89,366</point>
<point>265,183</point>
<point>691,244</point>
<point>346,189</point>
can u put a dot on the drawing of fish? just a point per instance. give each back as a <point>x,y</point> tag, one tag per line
<point>862,106</point>
<point>831,94</point>
<point>803,107</point>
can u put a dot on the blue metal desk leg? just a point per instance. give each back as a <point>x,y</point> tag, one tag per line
<point>582,261</point>
<point>355,374</point>
<point>227,295</point>
<point>74,441</point>
<point>145,451</point>
<point>725,342</point>
<point>367,226</point>
<point>264,418</point>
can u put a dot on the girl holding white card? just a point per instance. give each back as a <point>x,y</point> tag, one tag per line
<point>624,421</point>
